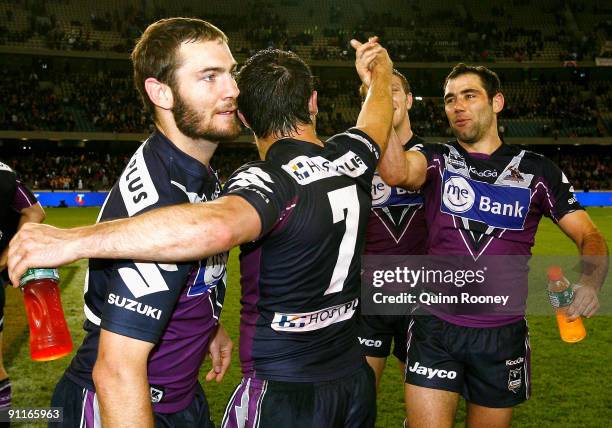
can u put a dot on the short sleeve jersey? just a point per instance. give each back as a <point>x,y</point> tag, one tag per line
<point>14,197</point>
<point>301,278</point>
<point>397,220</point>
<point>477,204</point>
<point>173,305</point>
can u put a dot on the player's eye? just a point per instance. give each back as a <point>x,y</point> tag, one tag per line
<point>210,77</point>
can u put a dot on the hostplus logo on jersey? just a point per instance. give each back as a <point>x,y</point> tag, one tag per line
<point>305,169</point>
<point>316,320</point>
<point>500,206</point>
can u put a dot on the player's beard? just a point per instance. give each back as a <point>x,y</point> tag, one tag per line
<point>476,132</point>
<point>196,125</point>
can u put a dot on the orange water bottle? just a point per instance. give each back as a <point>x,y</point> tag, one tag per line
<point>561,295</point>
<point>49,335</point>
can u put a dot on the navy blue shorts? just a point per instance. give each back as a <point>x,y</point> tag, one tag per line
<point>349,402</point>
<point>490,367</point>
<point>376,332</point>
<point>81,409</point>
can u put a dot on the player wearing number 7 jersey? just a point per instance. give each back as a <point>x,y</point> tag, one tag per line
<point>300,214</point>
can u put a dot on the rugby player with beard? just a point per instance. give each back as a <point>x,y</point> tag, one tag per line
<point>300,215</point>
<point>484,356</point>
<point>150,325</point>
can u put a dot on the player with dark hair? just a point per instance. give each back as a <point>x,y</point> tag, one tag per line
<point>396,226</point>
<point>484,357</point>
<point>150,324</point>
<point>18,206</point>
<point>300,214</point>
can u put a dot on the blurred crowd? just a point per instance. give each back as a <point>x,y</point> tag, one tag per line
<point>498,31</point>
<point>586,171</point>
<point>108,102</point>
<point>94,170</point>
<point>69,170</point>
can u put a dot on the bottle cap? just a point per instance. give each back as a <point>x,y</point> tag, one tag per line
<point>38,273</point>
<point>555,273</point>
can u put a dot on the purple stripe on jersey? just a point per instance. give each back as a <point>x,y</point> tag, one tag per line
<point>89,416</point>
<point>5,394</point>
<point>284,216</point>
<point>187,335</point>
<point>250,264</point>
<point>23,197</point>
<point>245,404</point>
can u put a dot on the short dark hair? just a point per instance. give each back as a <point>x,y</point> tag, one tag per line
<point>363,89</point>
<point>489,79</point>
<point>275,87</point>
<point>155,54</point>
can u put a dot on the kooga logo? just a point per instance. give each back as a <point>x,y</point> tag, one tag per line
<point>458,195</point>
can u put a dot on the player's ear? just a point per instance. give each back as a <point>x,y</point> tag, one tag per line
<point>159,93</point>
<point>243,120</point>
<point>313,109</point>
<point>409,101</point>
<point>498,102</point>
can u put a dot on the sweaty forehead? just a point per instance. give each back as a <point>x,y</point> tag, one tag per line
<point>463,83</point>
<point>204,54</point>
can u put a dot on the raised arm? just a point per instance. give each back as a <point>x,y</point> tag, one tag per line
<point>375,70</point>
<point>592,246</point>
<point>170,234</point>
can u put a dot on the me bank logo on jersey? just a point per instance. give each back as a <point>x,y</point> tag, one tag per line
<point>504,207</point>
<point>384,195</point>
<point>305,169</point>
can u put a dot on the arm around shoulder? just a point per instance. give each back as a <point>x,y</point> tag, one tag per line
<point>176,233</point>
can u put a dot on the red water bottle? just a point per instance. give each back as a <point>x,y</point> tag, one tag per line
<point>49,335</point>
<point>561,295</point>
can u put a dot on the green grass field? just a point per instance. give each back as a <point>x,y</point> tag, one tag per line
<point>570,382</point>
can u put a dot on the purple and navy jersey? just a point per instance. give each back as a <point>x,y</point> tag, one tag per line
<point>301,278</point>
<point>14,197</point>
<point>480,205</point>
<point>176,306</point>
<point>397,221</point>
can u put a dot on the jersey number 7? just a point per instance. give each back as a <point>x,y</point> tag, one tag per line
<point>345,206</point>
